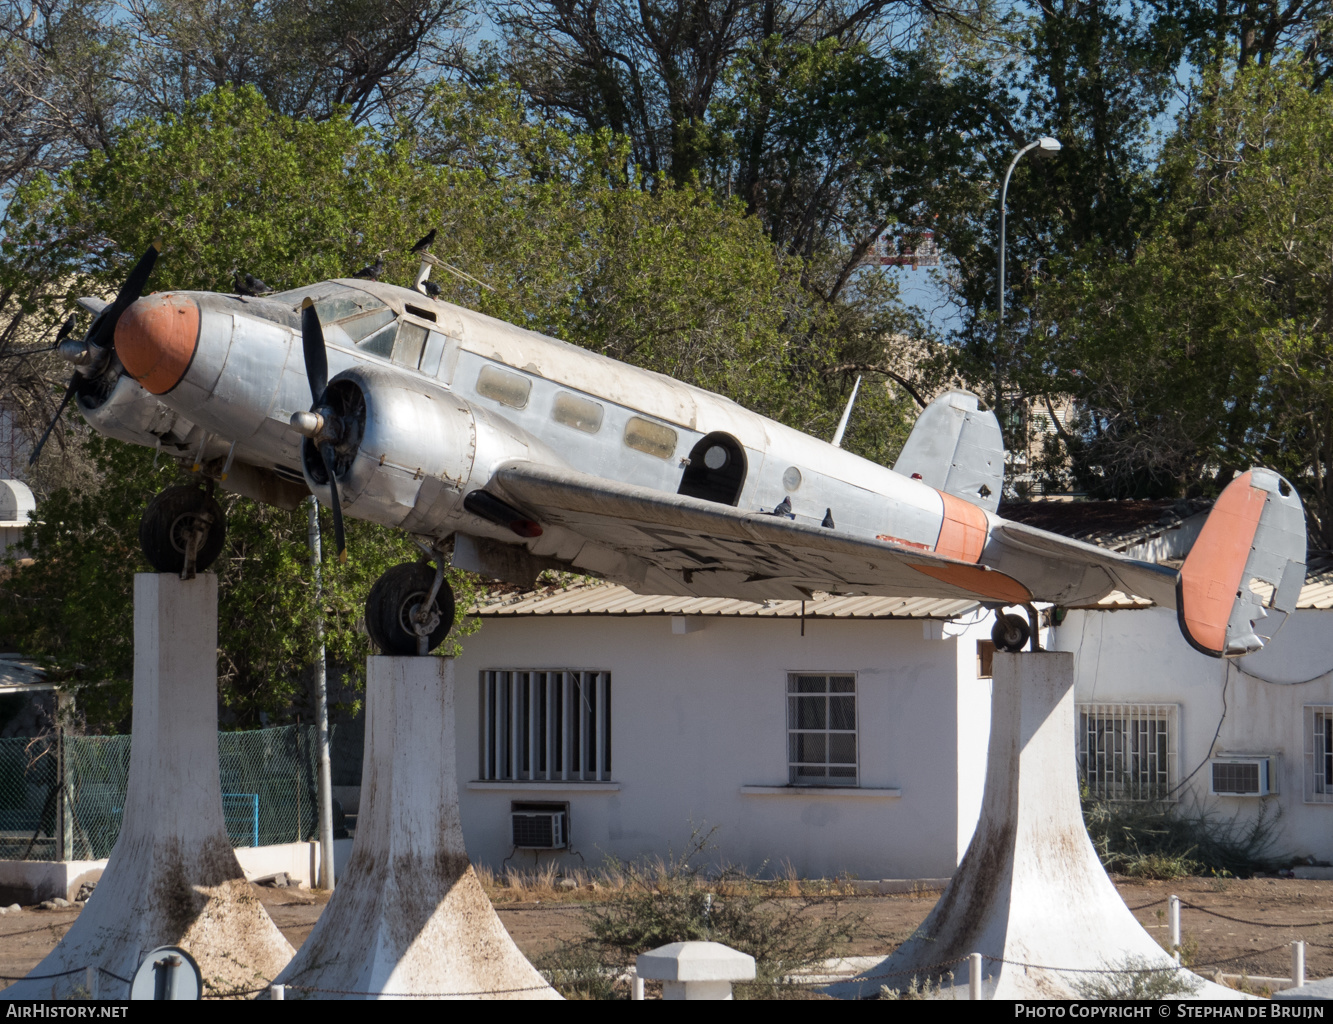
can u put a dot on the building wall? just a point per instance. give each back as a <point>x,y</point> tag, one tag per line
<point>696,717</point>
<point>1130,656</point>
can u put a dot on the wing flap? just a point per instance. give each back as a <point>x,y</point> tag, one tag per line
<point>717,550</point>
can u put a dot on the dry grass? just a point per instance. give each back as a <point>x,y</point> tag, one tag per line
<point>552,882</point>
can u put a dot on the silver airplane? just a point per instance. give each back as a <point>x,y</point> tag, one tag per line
<point>506,452</point>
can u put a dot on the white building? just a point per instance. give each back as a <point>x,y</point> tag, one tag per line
<point>16,507</point>
<point>851,739</point>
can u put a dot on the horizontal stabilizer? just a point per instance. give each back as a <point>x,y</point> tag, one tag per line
<point>1244,574</point>
<point>957,448</point>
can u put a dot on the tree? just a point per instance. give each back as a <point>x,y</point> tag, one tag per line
<point>1209,349</point>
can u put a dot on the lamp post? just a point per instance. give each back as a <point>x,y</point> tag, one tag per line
<point>1045,144</point>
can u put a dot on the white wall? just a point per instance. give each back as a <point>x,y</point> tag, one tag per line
<point>1139,655</point>
<point>697,716</point>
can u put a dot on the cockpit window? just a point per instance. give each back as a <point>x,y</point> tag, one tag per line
<point>335,302</point>
<point>366,324</point>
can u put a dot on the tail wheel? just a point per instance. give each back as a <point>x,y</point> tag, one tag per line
<point>1010,633</point>
<point>393,601</point>
<point>176,518</point>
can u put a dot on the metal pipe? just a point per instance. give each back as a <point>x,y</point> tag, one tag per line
<point>326,873</point>
<point>974,976</point>
<point>1173,904</point>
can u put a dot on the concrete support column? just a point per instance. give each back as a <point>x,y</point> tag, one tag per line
<point>1030,895</point>
<point>409,916</point>
<point>172,878</point>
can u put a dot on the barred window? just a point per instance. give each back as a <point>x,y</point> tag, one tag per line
<point>1127,751</point>
<point>545,725</point>
<point>1319,753</point>
<point>821,729</point>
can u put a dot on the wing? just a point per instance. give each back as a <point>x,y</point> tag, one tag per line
<point>658,543</point>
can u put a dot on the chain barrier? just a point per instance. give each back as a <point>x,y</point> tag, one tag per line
<point>1257,924</point>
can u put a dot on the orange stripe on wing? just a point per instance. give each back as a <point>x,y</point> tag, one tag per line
<point>986,583</point>
<point>1211,575</point>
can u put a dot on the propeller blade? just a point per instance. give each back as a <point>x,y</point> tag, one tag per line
<point>330,464</point>
<point>69,393</point>
<point>316,359</point>
<point>129,291</point>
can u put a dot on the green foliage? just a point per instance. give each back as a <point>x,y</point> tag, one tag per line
<point>1209,348</point>
<point>1138,978</point>
<point>674,900</point>
<point>1162,840</point>
<point>73,608</point>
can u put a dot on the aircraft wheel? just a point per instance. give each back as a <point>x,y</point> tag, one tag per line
<point>393,599</point>
<point>176,517</point>
<point>1010,633</point>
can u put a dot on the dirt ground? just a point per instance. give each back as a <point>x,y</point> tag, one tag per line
<point>1277,911</point>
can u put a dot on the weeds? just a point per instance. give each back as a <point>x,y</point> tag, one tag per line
<point>674,900</point>
<point>1160,840</point>
<point>928,989</point>
<point>1138,978</point>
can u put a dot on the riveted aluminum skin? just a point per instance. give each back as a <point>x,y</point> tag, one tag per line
<point>131,414</point>
<point>422,449</point>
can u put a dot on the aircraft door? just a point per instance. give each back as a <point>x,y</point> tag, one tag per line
<point>716,471</point>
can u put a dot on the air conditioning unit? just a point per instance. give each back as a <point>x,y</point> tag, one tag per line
<point>540,830</point>
<point>1241,776</point>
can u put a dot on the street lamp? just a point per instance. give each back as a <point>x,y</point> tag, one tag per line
<point>1043,145</point>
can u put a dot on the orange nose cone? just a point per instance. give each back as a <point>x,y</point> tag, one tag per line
<point>156,338</point>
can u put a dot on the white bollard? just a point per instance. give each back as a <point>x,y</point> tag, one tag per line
<point>635,986</point>
<point>1298,963</point>
<point>695,970</point>
<point>974,976</point>
<point>1173,903</point>
<point>92,980</point>
<point>278,992</point>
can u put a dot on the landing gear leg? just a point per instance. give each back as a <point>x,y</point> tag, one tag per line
<point>410,609</point>
<point>183,530</point>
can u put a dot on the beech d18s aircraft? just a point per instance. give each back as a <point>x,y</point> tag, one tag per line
<point>507,452</point>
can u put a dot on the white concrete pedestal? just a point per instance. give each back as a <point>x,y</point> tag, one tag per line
<point>172,878</point>
<point>409,916</point>
<point>1030,889</point>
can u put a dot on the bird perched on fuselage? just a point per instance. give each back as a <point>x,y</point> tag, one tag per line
<point>371,272</point>
<point>248,284</point>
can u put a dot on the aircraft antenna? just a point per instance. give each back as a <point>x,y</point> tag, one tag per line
<point>846,415</point>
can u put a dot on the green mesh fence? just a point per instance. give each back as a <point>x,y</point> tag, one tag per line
<point>268,791</point>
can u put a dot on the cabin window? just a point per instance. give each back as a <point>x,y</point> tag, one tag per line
<point>716,471</point>
<point>576,412</point>
<point>650,438</point>
<point>407,349</point>
<point>507,388</point>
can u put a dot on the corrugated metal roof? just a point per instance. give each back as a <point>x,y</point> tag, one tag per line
<point>1117,525</point>
<point>612,599</point>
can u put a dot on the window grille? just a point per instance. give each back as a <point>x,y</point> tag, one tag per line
<point>821,730</point>
<point>1319,753</point>
<point>545,725</point>
<point>1127,751</point>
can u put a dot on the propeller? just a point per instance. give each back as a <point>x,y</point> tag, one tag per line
<point>100,337</point>
<point>319,424</point>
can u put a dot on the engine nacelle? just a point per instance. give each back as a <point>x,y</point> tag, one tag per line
<point>127,412</point>
<point>409,450</point>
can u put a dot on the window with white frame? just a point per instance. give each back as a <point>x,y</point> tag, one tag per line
<point>1127,751</point>
<point>1319,753</point>
<point>545,725</point>
<point>821,729</point>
